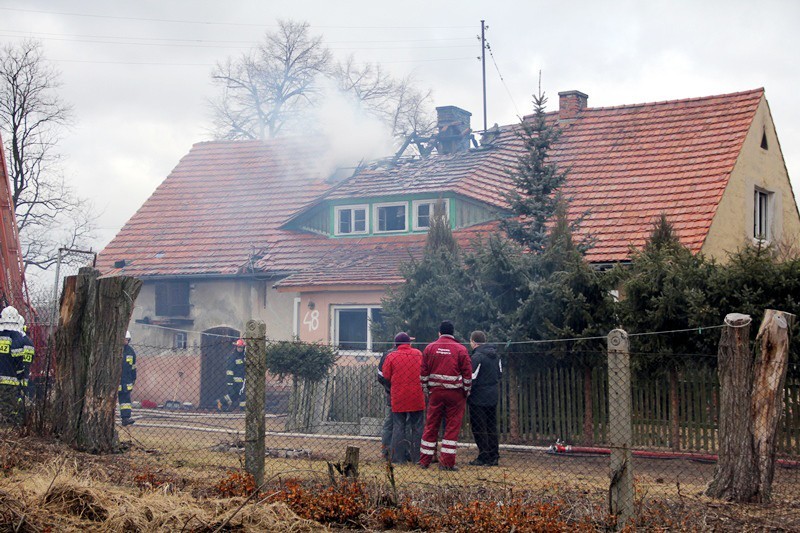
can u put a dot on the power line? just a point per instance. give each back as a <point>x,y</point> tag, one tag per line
<point>216,46</point>
<point>217,23</point>
<point>502,79</point>
<point>147,63</point>
<point>214,41</point>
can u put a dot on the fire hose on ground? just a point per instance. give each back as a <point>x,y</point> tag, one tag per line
<point>566,450</point>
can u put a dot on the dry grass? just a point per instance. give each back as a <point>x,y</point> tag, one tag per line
<point>47,487</point>
<point>59,497</point>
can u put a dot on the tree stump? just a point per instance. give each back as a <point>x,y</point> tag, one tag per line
<point>94,314</point>
<point>750,402</point>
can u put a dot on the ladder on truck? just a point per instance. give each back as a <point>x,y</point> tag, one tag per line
<point>13,290</point>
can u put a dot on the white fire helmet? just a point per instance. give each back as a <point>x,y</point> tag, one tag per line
<point>128,335</point>
<point>9,318</point>
<point>21,324</point>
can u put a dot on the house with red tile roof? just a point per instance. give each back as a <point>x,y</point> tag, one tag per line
<point>263,230</point>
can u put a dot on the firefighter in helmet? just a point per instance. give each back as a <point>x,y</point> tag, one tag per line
<point>235,379</point>
<point>11,350</point>
<point>127,381</point>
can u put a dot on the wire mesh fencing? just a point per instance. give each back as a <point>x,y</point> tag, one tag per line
<point>527,418</point>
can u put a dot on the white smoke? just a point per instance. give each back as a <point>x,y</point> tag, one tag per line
<point>351,133</point>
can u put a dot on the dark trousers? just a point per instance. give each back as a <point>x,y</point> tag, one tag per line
<point>124,396</point>
<point>406,436</point>
<point>483,419</point>
<point>10,405</point>
<point>386,430</point>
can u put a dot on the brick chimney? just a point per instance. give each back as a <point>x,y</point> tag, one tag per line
<point>570,104</point>
<point>453,124</point>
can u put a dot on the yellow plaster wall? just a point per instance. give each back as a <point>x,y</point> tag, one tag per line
<point>732,226</point>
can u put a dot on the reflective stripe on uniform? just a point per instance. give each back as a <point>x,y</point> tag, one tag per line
<point>6,380</point>
<point>129,386</point>
<point>240,361</point>
<point>125,406</point>
<point>229,372</point>
<point>449,442</point>
<point>238,380</point>
<point>428,444</point>
<point>443,377</point>
<point>425,451</point>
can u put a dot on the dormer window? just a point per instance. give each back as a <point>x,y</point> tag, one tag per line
<point>391,217</point>
<point>351,219</point>
<point>423,212</point>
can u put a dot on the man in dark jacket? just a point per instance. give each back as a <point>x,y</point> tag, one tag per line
<point>486,372</point>
<point>127,381</point>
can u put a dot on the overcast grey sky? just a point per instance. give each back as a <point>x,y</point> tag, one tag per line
<point>138,73</point>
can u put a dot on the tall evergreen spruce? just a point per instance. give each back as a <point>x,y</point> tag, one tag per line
<point>434,287</point>
<point>535,179</point>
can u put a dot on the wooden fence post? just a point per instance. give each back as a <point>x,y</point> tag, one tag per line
<point>255,368</point>
<point>620,492</point>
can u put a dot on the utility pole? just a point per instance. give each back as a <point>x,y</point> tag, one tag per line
<point>483,69</point>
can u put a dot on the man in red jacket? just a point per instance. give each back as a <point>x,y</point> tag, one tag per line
<point>447,373</point>
<point>402,369</point>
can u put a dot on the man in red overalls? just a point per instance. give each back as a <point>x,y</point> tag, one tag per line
<point>447,374</point>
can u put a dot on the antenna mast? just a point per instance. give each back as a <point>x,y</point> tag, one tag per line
<point>483,69</point>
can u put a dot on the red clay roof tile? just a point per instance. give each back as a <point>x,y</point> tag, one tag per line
<point>225,201</point>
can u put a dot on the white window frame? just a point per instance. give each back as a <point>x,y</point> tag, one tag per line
<point>335,327</point>
<point>180,340</point>
<point>415,216</point>
<point>766,235</point>
<point>375,217</point>
<point>339,208</point>
<point>296,318</point>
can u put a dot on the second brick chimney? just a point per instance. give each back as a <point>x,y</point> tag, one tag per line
<point>570,104</point>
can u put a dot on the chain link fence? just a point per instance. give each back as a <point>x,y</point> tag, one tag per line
<point>555,424</point>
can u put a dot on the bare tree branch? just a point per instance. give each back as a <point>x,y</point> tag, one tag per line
<point>49,214</point>
<point>273,89</point>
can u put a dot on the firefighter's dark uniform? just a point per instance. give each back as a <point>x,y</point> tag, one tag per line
<point>235,382</point>
<point>126,383</point>
<point>11,387</point>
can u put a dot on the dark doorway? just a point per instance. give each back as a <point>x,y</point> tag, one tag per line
<point>216,345</point>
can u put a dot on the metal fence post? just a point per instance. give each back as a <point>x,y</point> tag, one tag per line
<point>620,492</point>
<point>255,388</point>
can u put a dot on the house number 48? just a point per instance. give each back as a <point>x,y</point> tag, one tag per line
<point>311,320</point>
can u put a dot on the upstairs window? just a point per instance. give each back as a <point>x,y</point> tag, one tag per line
<point>391,217</point>
<point>351,220</point>
<point>423,212</point>
<point>761,214</point>
<point>172,298</point>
